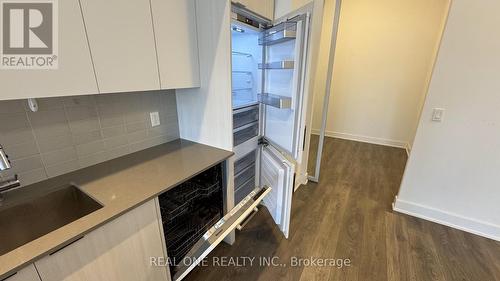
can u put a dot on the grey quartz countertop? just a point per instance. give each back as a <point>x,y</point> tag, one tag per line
<point>120,185</point>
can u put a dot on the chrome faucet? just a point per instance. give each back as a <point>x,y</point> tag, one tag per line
<point>10,183</point>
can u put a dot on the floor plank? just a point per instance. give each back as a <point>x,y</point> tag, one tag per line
<point>348,215</point>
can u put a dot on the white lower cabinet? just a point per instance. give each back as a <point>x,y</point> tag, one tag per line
<point>121,250</point>
<point>26,274</point>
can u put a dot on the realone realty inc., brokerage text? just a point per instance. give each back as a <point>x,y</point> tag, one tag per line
<point>244,261</point>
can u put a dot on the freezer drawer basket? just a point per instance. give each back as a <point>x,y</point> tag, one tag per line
<point>244,162</point>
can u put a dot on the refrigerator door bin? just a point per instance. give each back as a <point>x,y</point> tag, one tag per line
<point>282,32</point>
<point>281,102</point>
<point>285,64</point>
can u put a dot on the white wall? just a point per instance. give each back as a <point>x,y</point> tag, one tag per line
<point>453,174</point>
<point>384,58</point>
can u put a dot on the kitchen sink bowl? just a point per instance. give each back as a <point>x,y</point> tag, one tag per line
<point>30,219</point>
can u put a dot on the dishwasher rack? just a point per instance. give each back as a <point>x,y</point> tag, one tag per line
<point>189,210</point>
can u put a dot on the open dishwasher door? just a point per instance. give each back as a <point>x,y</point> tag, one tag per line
<point>219,231</point>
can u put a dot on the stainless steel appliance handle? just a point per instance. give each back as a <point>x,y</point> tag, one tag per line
<point>4,161</point>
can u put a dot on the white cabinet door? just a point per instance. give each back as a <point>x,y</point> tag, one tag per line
<point>277,172</point>
<point>263,8</point>
<point>74,75</point>
<point>176,43</point>
<point>122,43</point>
<point>270,9</point>
<point>26,274</point>
<point>118,251</point>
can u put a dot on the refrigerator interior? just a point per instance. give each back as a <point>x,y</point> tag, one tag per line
<point>189,210</point>
<point>274,79</point>
<point>246,56</point>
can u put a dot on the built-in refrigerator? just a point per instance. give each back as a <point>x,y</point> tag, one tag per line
<point>268,75</point>
<point>269,115</point>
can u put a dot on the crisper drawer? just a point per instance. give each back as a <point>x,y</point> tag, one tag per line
<point>244,162</point>
<point>244,190</point>
<point>245,116</point>
<point>245,133</point>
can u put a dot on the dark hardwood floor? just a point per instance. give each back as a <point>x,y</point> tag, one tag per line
<point>348,216</point>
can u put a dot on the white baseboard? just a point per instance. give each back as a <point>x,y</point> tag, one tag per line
<point>470,225</point>
<point>408,149</point>
<point>367,139</point>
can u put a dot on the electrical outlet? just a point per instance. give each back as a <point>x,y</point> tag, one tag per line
<point>155,118</point>
<point>438,114</point>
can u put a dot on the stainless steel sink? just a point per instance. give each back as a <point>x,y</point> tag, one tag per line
<point>29,220</point>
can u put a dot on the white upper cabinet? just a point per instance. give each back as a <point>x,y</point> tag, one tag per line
<point>74,75</point>
<point>176,43</point>
<point>122,43</point>
<point>264,8</point>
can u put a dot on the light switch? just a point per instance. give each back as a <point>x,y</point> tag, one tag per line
<point>438,114</point>
<point>155,118</point>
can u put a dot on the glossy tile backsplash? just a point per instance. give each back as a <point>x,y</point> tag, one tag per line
<point>70,133</point>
